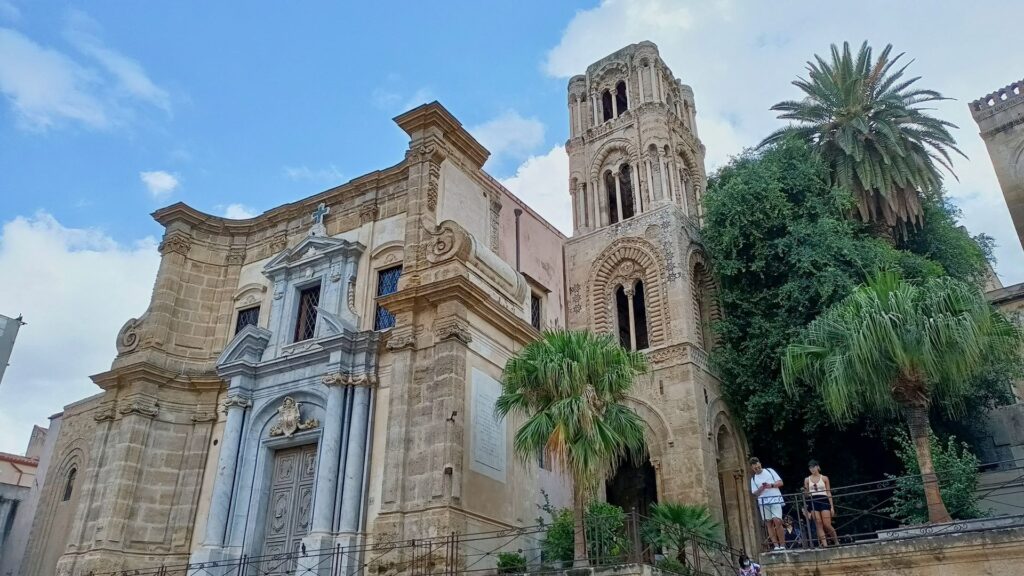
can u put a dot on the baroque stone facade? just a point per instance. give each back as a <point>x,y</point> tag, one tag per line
<point>325,373</point>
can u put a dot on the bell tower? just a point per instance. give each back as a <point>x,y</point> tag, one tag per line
<point>636,269</point>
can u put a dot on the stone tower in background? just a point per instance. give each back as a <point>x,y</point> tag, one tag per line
<point>636,269</point>
<point>1000,117</point>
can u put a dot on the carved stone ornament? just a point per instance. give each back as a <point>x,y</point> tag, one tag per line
<point>368,213</point>
<point>399,340</point>
<point>128,337</point>
<point>140,407</point>
<point>663,355</point>
<point>235,257</point>
<point>235,400</point>
<point>104,412</point>
<point>289,420</point>
<point>433,184</point>
<point>451,327</point>
<point>343,379</point>
<point>175,242</point>
<point>279,242</point>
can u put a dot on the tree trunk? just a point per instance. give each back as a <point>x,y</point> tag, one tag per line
<point>920,434</point>
<point>579,541</point>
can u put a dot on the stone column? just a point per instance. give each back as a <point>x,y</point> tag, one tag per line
<point>615,104</point>
<point>352,490</point>
<point>596,192</point>
<point>328,459</point>
<point>220,503</point>
<point>637,189</point>
<point>632,320</point>
<point>618,197</point>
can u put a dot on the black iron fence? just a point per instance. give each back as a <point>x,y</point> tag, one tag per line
<point>893,509</point>
<point>538,549</point>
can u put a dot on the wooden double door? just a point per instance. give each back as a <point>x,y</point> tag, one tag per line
<point>289,512</point>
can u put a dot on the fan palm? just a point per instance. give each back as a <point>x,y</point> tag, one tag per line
<point>865,120</point>
<point>672,526</point>
<point>896,346</point>
<point>570,387</point>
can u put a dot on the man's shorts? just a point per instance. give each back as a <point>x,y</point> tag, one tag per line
<point>771,511</point>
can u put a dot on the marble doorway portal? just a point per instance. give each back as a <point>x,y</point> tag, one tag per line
<point>291,499</point>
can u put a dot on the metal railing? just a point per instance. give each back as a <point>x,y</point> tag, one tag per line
<point>538,549</point>
<point>893,509</point>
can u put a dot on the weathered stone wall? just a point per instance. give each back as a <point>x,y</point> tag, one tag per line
<point>1000,117</point>
<point>983,553</point>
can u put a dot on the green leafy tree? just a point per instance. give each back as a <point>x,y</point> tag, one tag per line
<point>895,346</point>
<point>870,125</point>
<point>570,386</point>
<point>672,526</point>
<point>783,264</point>
<point>957,471</point>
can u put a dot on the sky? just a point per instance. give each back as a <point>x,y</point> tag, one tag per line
<point>110,110</point>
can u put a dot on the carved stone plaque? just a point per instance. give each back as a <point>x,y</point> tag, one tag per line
<point>489,450</point>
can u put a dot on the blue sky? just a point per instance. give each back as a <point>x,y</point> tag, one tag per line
<point>110,110</point>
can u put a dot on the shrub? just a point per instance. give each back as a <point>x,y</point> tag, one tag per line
<point>606,535</point>
<point>511,563</point>
<point>672,565</point>
<point>957,469</point>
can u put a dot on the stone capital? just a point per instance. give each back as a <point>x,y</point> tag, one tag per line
<point>140,406</point>
<point>177,242</point>
<point>347,379</point>
<point>235,401</point>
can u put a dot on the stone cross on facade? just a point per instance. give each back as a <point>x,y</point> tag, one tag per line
<point>318,228</point>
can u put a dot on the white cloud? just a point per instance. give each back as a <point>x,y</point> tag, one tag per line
<point>52,275</point>
<point>45,86</point>
<point>48,88</point>
<point>329,175</point>
<point>240,212</point>
<point>509,135</point>
<point>131,79</point>
<point>740,57</point>
<point>395,100</point>
<point>543,183</point>
<point>160,184</point>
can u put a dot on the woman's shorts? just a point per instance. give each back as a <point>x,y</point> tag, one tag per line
<point>820,504</point>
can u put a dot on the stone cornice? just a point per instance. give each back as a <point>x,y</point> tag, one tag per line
<point>463,290</point>
<point>145,371</point>
<point>434,115</point>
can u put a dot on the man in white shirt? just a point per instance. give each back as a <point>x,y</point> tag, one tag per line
<point>765,484</point>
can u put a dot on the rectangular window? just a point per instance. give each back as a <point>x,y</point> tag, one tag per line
<point>247,316</point>
<point>387,283</point>
<point>305,324</point>
<point>535,309</point>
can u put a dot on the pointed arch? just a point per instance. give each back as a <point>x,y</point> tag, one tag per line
<point>623,263</point>
<point>704,295</point>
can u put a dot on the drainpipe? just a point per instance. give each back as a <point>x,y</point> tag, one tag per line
<point>518,212</point>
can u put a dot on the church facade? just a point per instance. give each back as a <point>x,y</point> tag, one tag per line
<point>324,374</point>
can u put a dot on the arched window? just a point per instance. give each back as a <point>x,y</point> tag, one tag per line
<point>606,106</point>
<point>621,101</point>
<point>613,203</point>
<point>69,485</point>
<point>622,314</point>
<point>626,191</point>
<point>704,313</point>
<point>640,316</point>
<point>631,316</point>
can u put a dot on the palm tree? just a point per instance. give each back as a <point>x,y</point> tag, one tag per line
<point>897,346</point>
<point>866,122</point>
<point>672,526</point>
<point>569,386</point>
